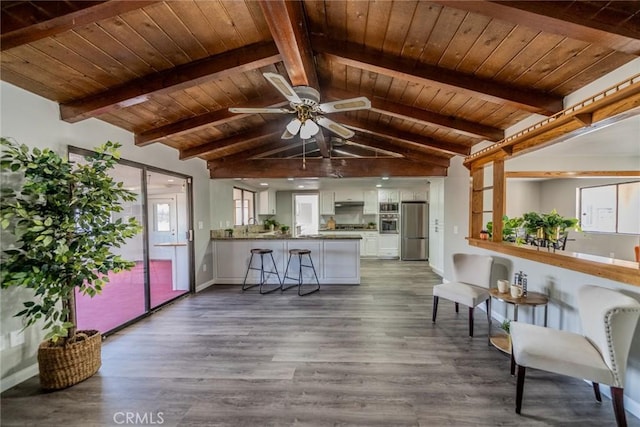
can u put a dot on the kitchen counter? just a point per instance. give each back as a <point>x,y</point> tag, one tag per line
<point>335,257</point>
<point>286,237</point>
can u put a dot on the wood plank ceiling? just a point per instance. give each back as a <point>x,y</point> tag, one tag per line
<point>441,76</point>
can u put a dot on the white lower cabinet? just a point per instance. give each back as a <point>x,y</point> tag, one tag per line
<point>388,246</point>
<point>369,244</point>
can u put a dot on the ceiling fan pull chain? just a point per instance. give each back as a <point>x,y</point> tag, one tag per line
<point>304,160</point>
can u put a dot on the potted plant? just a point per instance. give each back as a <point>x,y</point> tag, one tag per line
<point>270,224</point>
<point>510,227</point>
<point>284,229</point>
<point>58,233</point>
<point>228,232</point>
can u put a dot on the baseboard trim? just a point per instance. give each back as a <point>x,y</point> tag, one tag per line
<point>19,377</point>
<point>205,285</point>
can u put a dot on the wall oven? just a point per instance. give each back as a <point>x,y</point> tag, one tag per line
<point>388,224</point>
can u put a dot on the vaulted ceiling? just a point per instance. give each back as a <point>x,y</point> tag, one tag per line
<point>442,76</point>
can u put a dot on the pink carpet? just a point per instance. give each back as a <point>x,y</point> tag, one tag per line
<point>122,299</point>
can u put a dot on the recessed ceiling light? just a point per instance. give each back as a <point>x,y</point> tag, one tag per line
<point>170,180</point>
<point>289,179</point>
<point>378,185</point>
<point>300,186</point>
<point>384,178</point>
<point>264,184</point>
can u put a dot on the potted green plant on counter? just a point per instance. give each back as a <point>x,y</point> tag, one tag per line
<point>58,233</point>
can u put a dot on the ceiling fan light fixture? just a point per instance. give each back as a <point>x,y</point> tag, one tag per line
<point>294,126</point>
<point>308,129</point>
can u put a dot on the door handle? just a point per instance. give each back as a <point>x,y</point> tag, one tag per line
<point>190,235</point>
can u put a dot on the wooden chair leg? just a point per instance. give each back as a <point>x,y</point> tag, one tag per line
<point>596,390</point>
<point>457,308</point>
<point>434,311</point>
<point>470,321</point>
<point>513,363</point>
<point>520,388</point>
<point>617,398</point>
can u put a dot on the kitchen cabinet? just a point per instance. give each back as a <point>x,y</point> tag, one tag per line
<point>388,196</point>
<point>349,196</point>
<point>337,261</point>
<point>388,245</point>
<point>413,196</point>
<point>369,244</point>
<point>327,203</point>
<point>267,202</point>
<point>370,203</point>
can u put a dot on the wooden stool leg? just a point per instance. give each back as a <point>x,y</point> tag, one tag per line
<point>434,311</point>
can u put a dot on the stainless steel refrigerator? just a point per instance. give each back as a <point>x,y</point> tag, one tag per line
<point>414,217</point>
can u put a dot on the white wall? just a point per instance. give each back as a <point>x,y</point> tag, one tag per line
<point>34,121</point>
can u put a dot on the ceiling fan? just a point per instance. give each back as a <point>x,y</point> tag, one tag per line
<point>309,113</point>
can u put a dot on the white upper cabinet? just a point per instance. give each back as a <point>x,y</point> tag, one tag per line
<point>267,202</point>
<point>388,196</point>
<point>413,195</point>
<point>327,203</point>
<point>370,202</point>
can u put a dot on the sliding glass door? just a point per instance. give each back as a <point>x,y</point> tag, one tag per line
<point>162,252</point>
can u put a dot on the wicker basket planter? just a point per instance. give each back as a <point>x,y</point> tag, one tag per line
<point>64,366</point>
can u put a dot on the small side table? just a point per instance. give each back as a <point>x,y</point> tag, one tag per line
<point>533,299</point>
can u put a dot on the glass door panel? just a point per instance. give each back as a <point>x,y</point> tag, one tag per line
<point>123,297</point>
<point>168,231</point>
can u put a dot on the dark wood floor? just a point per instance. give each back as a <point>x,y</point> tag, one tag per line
<point>349,355</point>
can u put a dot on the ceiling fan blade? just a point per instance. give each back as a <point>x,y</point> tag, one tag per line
<point>259,110</point>
<point>283,87</point>
<point>360,103</point>
<point>287,135</point>
<point>334,127</point>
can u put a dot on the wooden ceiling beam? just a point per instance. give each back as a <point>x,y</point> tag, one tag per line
<point>181,77</point>
<point>364,58</point>
<point>264,149</point>
<point>24,22</point>
<point>579,21</point>
<point>288,27</point>
<point>193,124</point>
<point>403,149</point>
<point>411,138</point>
<point>405,112</point>
<point>268,130</point>
<point>322,167</point>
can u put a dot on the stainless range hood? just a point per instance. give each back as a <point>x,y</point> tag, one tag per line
<point>349,204</point>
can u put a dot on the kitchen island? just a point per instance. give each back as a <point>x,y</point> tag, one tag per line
<point>336,257</point>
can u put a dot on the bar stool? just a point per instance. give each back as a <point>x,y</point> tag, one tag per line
<point>264,274</point>
<point>299,253</point>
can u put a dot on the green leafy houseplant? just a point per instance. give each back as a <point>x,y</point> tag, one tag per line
<point>59,216</point>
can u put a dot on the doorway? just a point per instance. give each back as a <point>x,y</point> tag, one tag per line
<point>306,214</point>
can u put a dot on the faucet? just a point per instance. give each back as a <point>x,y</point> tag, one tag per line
<point>255,221</point>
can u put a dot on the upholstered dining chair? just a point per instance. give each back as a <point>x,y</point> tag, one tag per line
<point>599,354</point>
<point>472,279</point>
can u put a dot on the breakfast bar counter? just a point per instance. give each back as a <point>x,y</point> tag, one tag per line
<point>336,257</point>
